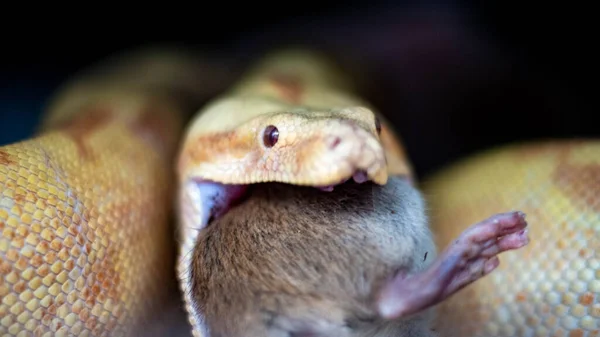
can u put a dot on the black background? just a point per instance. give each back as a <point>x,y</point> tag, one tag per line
<point>454,78</point>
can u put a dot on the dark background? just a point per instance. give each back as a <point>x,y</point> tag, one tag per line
<point>454,78</point>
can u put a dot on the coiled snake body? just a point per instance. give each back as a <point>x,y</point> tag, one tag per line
<point>552,286</point>
<point>86,242</point>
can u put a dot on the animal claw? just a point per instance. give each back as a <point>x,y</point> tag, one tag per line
<point>472,256</point>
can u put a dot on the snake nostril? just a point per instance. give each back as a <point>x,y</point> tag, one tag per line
<point>335,142</point>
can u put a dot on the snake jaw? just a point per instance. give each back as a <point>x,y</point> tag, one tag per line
<point>342,150</point>
<point>302,148</point>
<point>358,177</point>
<point>205,200</point>
<point>357,155</point>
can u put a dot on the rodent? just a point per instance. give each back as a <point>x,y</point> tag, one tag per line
<point>358,261</point>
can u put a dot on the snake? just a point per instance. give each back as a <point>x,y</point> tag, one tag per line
<point>86,202</point>
<point>100,208</point>
<point>551,287</point>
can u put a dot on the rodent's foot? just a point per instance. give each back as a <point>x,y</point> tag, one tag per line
<point>469,258</point>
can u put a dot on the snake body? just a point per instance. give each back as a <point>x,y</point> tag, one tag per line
<point>85,239</point>
<point>85,203</point>
<point>552,286</point>
<point>84,211</point>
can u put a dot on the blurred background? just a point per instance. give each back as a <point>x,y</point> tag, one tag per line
<point>454,77</point>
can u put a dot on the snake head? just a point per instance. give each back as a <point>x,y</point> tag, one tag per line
<point>301,147</point>
<point>238,142</point>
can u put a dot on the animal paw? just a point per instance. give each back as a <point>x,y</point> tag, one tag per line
<point>470,257</point>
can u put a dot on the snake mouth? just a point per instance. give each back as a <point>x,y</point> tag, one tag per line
<point>359,177</point>
<point>210,200</point>
<point>206,200</point>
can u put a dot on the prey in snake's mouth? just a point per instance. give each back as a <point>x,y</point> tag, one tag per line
<point>216,199</point>
<point>319,149</point>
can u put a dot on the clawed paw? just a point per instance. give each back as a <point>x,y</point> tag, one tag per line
<point>470,257</point>
<point>474,254</point>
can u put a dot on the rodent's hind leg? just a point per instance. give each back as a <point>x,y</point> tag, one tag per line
<point>469,258</point>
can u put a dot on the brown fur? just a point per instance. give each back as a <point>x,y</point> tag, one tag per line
<point>295,261</point>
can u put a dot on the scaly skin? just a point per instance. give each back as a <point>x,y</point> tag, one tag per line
<point>85,239</point>
<point>304,98</point>
<point>83,215</point>
<point>326,134</point>
<point>84,236</point>
<point>552,286</point>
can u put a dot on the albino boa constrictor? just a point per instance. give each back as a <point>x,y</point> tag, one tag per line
<point>85,236</point>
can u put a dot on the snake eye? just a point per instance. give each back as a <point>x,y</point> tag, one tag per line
<point>378,125</point>
<point>270,136</point>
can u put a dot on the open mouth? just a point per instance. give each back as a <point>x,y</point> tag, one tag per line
<point>216,199</point>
